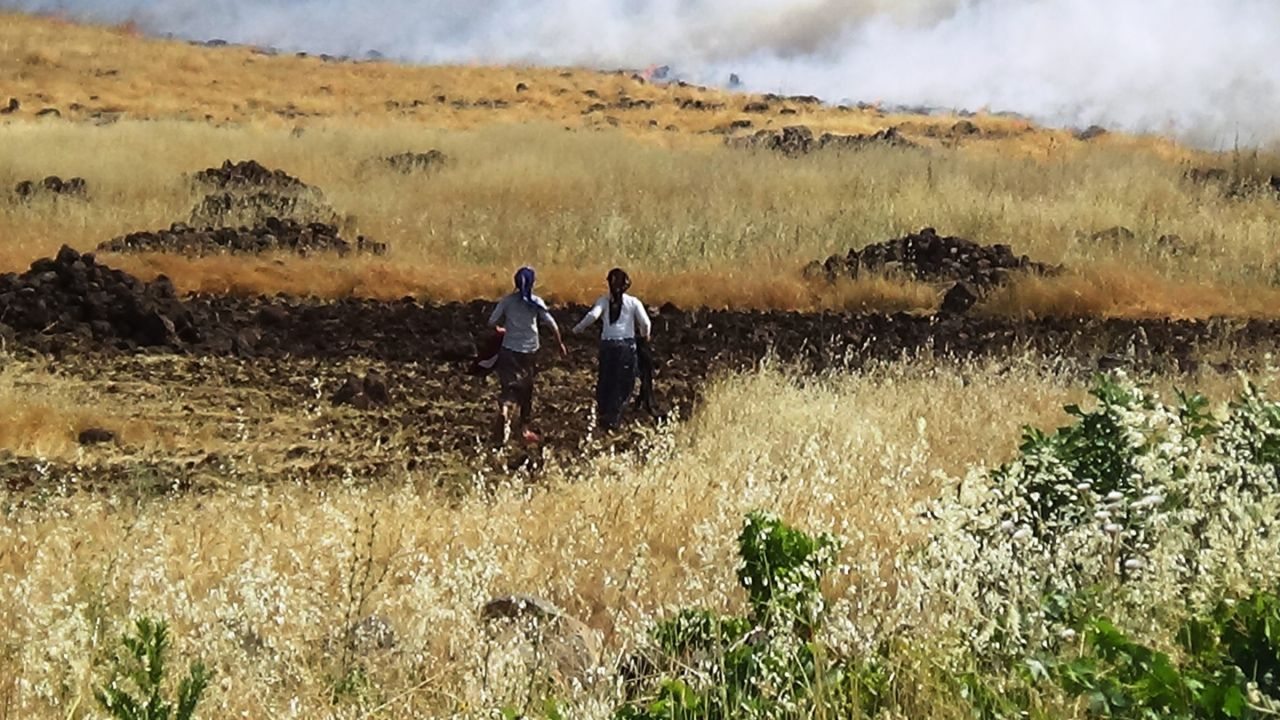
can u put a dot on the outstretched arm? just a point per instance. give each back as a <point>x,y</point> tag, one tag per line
<point>550,322</point>
<point>498,311</point>
<point>592,315</point>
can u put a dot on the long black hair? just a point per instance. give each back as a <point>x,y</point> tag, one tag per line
<point>619,282</point>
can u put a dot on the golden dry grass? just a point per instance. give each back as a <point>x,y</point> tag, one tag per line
<point>255,578</point>
<point>700,226</point>
<point>41,415</point>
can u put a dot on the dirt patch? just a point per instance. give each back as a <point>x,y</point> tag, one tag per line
<point>377,389</point>
<point>273,235</point>
<point>798,140</point>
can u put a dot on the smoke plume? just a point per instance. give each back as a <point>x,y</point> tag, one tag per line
<point>1197,69</point>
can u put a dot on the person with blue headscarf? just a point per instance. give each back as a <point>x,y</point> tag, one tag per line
<point>519,315</point>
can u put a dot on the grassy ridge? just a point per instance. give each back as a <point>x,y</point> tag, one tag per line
<point>712,226</point>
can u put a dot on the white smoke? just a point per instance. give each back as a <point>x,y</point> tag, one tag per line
<point>1198,69</point>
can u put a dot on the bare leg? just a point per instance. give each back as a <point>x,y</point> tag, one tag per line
<point>502,424</point>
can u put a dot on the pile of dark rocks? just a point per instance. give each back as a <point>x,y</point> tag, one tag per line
<point>795,140</point>
<point>926,256</point>
<point>233,209</point>
<point>411,162</point>
<point>52,186</point>
<point>273,235</point>
<point>1234,184</point>
<point>74,295</point>
<point>247,193</point>
<point>248,174</point>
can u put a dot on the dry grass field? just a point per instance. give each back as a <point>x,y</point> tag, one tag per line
<point>255,579</point>
<point>696,225</point>
<point>331,562</point>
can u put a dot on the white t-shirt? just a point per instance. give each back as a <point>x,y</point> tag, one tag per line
<point>632,321</point>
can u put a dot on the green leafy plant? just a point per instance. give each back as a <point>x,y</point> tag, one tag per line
<point>138,686</point>
<point>767,664</point>
<point>1222,659</point>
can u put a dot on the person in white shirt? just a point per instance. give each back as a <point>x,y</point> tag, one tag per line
<point>519,314</point>
<point>625,319</point>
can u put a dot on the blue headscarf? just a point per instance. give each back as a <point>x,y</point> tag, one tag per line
<point>524,286</point>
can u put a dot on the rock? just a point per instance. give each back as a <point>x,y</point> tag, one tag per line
<point>12,107</point>
<point>49,112</point>
<point>408,162</point>
<point>95,436</point>
<point>52,186</point>
<point>698,104</point>
<point>965,128</point>
<point>246,192</point>
<point>273,316</point>
<point>375,387</point>
<point>1174,245</point>
<point>245,342</point>
<point>1116,235</point>
<point>1110,362</point>
<point>72,295</point>
<point>521,87</point>
<point>235,209</point>
<point>796,140</point>
<point>352,389</point>
<point>930,257</point>
<point>363,393</point>
<point>959,299</point>
<point>546,638</point>
<point>273,234</point>
<point>756,107</point>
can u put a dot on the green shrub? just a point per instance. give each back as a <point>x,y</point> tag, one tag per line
<point>1224,666</point>
<point>769,663</point>
<point>137,688</point>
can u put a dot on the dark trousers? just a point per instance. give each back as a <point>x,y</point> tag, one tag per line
<point>616,379</point>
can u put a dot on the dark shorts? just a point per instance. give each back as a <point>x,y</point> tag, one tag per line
<point>515,371</point>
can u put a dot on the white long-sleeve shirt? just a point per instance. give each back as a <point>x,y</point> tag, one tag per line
<point>632,321</point>
<point>521,322</point>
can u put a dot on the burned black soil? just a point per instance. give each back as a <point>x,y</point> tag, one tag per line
<point>326,390</point>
